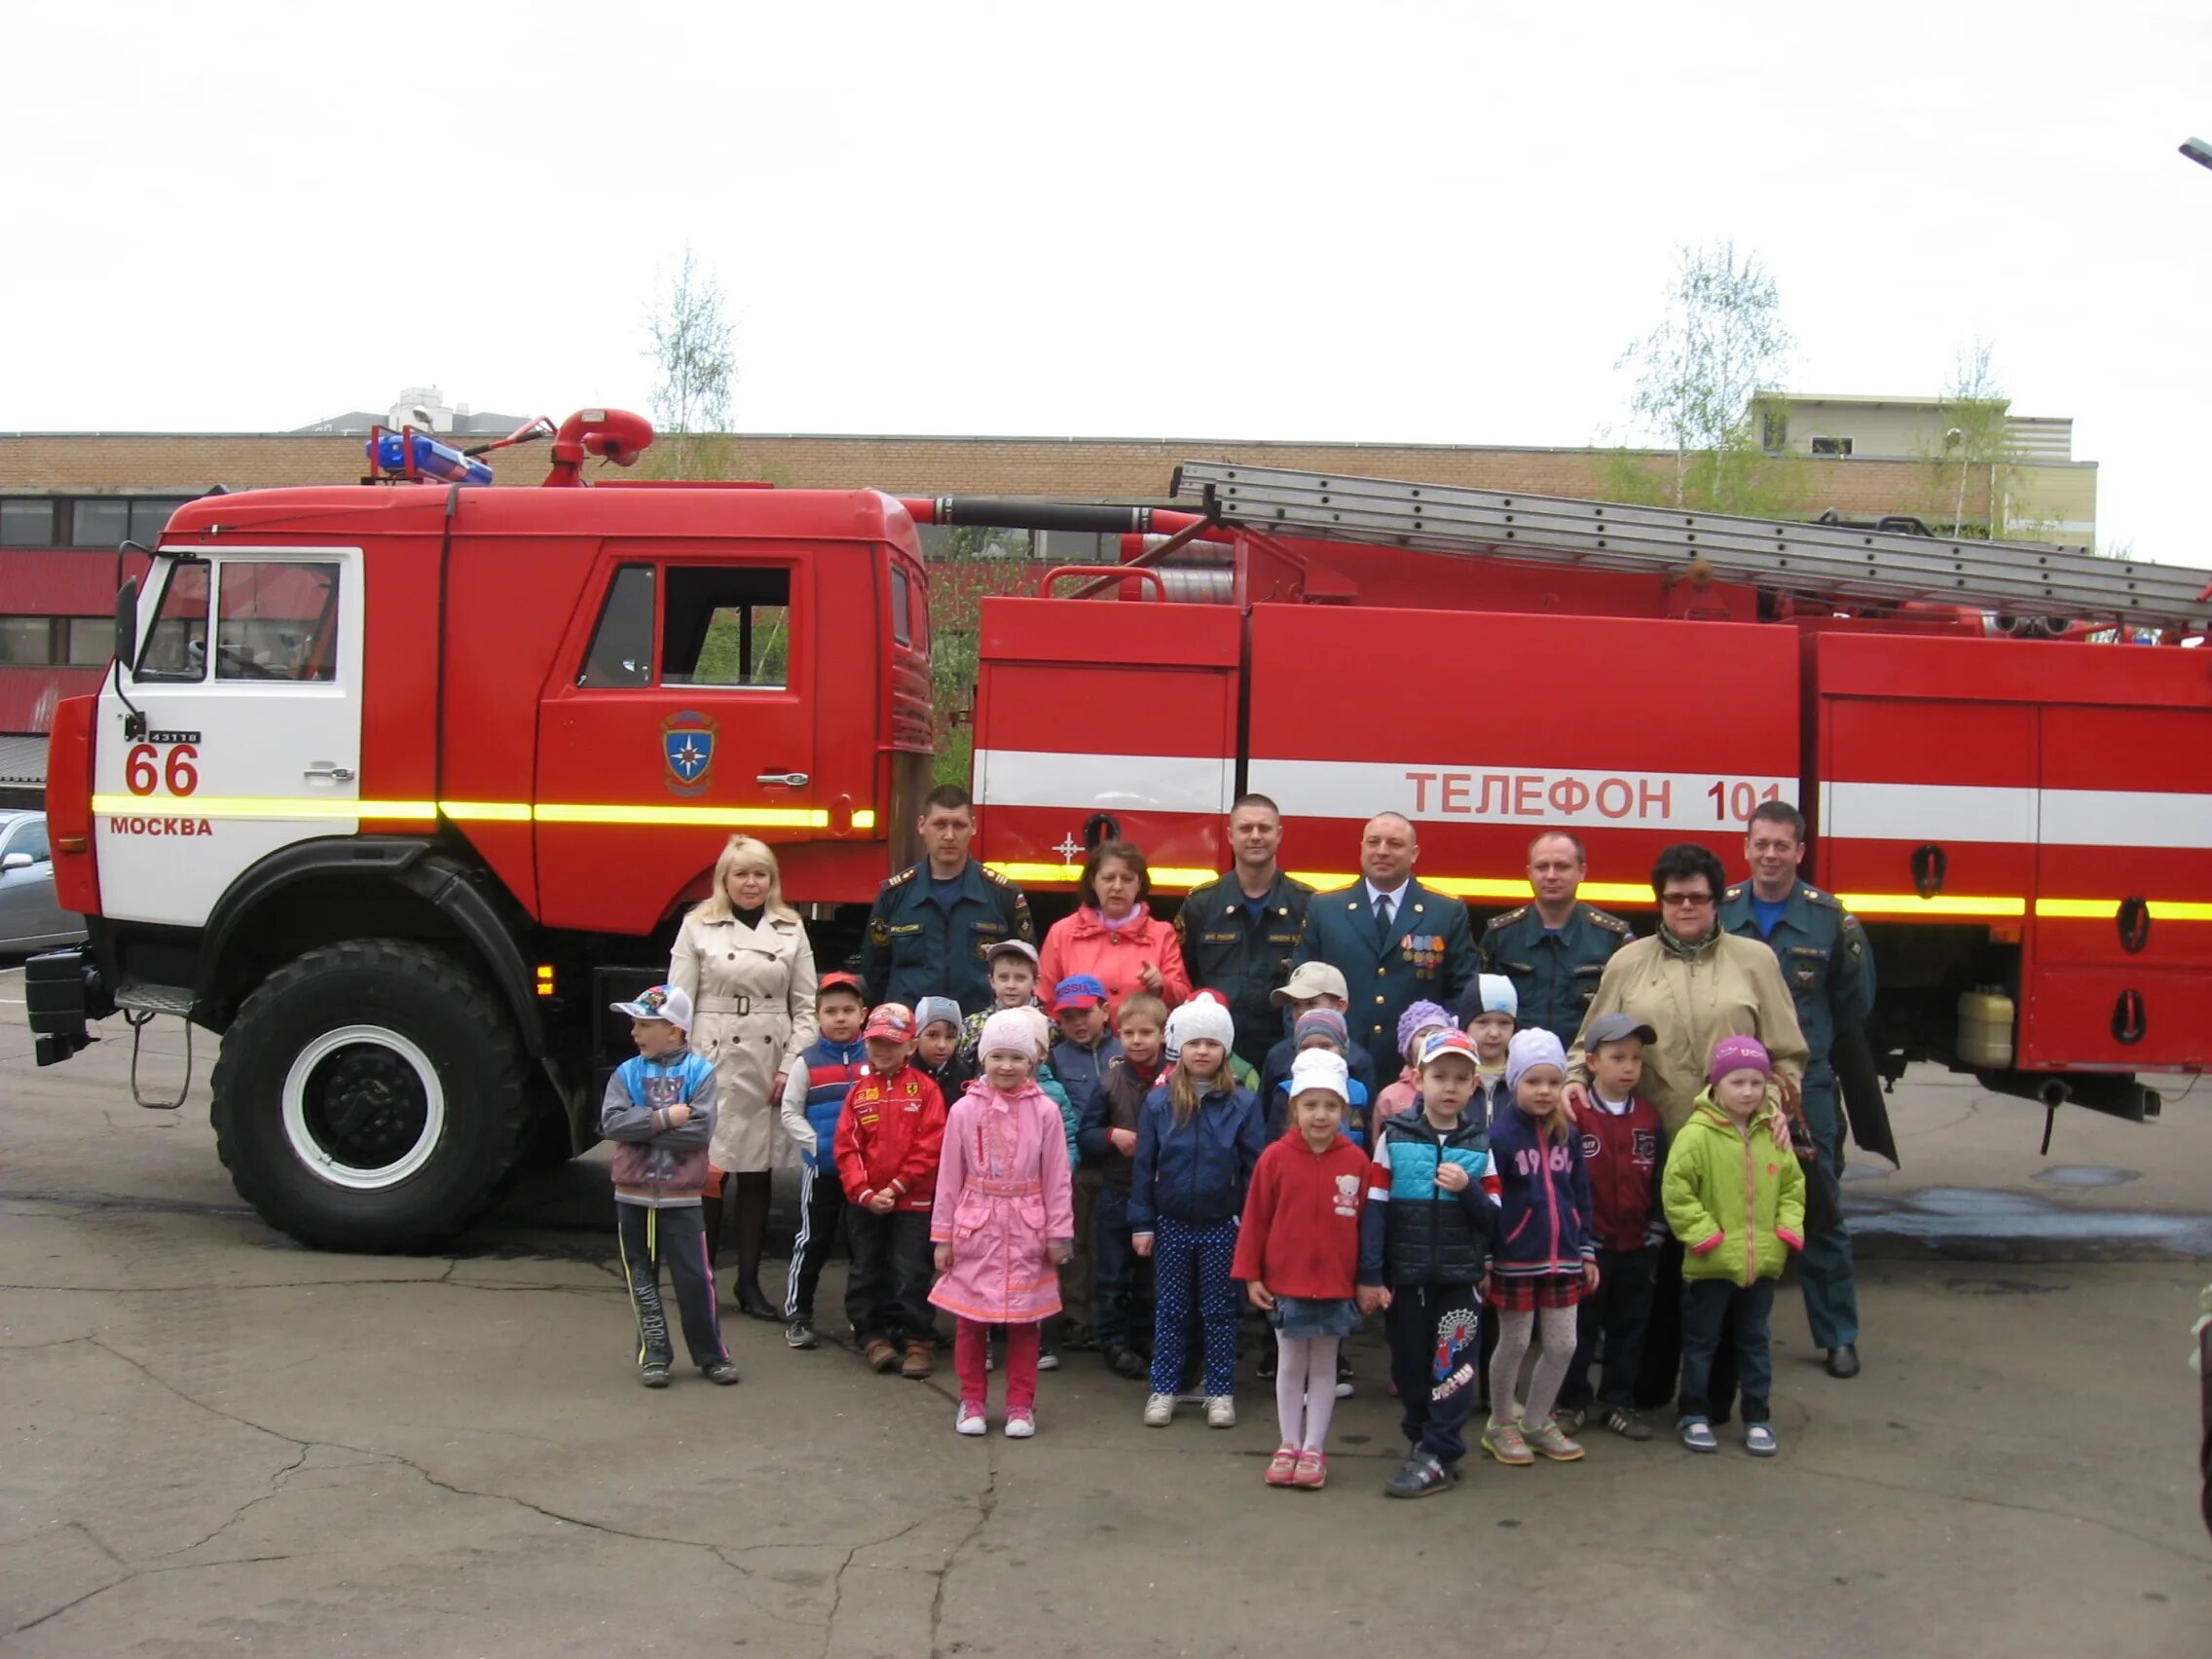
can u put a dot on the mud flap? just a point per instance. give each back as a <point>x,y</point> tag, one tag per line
<point>1859,1085</point>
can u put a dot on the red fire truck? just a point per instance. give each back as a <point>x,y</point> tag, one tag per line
<point>396,785</point>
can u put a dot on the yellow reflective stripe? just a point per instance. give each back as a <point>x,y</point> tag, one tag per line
<point>738,817</point>
<point>1163,876</point>
<point>1512,889</point>
<point>2104,909</point>
<point>864,818</point>
<point>1942,904</point>
<point>486,811</point>
<point>245,807</point>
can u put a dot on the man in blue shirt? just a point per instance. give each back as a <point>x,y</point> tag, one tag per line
<point>1553,948</point>
<point>1240,931</point>
<point>934,924</point>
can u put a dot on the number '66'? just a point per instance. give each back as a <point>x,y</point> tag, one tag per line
<point>177,771</point>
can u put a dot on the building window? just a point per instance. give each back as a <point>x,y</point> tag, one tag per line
<point>26,524</point>
<point>99,524</point>
<point>148,519</point>
<point>90,640</point>
<point>1832,446</point>
<point>1774,431</point>
<point>26,641</point>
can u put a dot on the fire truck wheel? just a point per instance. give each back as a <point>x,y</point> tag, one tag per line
<point>369,1096</point>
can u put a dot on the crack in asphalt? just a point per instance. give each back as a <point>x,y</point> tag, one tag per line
<point>2194,1558</point>
<point>138,1573</point>
<point>986,1505</point>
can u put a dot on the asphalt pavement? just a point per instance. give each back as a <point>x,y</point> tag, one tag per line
<point>213,1442</point>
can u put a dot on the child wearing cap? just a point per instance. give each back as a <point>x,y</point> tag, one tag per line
<point>1087,1047</point>
<point>1315,985</point>
<point>1298,1254</point>
<point>939,1030</point>
<point>659,1112</point>
<point>1546,1257</point>
<point>813,1106</point>
<point>887,1145</point>
<point>1013,964</point>
<point>1322,1029</point>
<point>1108,1144</point>
<point>1735,1196</point>
<point>1488,1012</point>
<point>1198,1141</point>
<point>1432,1210</point>
<point>1003,1222</point>
<point>1415,1026</point>
<point>1621,1134</point>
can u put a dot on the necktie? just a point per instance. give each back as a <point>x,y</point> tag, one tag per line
<point>1382,911</point>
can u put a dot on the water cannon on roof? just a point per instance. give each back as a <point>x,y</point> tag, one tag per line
<point>409,455</point>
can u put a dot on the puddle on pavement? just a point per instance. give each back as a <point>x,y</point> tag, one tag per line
<point>1982,1225</point>
<point>2087,1175</point>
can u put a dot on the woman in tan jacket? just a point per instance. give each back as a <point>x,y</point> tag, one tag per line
<point>743,959</point>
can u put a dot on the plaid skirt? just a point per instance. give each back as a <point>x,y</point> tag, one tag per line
<point>1525,1295</point>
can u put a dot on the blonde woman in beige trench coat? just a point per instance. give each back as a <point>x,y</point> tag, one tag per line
<point>744,958</point>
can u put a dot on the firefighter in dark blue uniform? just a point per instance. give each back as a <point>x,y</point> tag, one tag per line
<point>1555,947</point>
<point>1394,940</point>
<point>1829,971</point>
<point>934,924</point>
<point>1240,931</point>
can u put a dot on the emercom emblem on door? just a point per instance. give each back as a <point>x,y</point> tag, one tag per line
<point>687,744</point>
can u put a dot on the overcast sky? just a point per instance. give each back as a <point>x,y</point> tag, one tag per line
<point>1436,222</point>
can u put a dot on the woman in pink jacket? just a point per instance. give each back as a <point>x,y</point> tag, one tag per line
<point>1113,937</point>
<point>1003,1222</point>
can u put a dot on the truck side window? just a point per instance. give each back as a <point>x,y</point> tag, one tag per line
<point>727,627</point>
<point>175,649</point>
<point>276,620</point>
<point>902,624</point>
<point>622,645</point>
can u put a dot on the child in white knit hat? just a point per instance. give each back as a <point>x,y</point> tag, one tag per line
<point>1198,1138</point>
<point>1488,1010</point>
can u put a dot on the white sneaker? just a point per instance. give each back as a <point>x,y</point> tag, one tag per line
<point>1019,1424</point>
<point>1159,1411</point>
<point>1221,1411</point>
<point>970,1420</point>
<point>1047,1360</point>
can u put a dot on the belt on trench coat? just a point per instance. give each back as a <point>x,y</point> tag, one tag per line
<point>725,1005</point>
<point>1005,1189</point>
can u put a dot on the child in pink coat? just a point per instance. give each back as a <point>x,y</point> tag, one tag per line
<point>1004,1221</point>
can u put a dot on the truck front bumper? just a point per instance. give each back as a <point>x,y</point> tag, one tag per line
<point>62,989</point>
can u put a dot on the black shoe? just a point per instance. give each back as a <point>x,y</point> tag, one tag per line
<point>722,1373</point>
<point>1844,1361</point>
<point>1421,1476</point>
<point>753,1305</point>
<point>1079,1338</point>
<point>1127,1362</point>
<point>653,1376</point>
<point>1265,1368</point>
<point>1343,1377</point>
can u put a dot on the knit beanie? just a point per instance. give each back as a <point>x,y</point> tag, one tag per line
<point>1529,1050</point>
<point>1009,1032</point>
<point>1419,1016</point>
<point>1200,1018</point>
<point>1040,1025</point>
<point>935,1011</point>
<point>1314,1069</point>
<point>1739,1054</point>
<point>1498,995</point>
<point>1321,1023</point>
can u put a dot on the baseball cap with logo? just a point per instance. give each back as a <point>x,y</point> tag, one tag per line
<point>662,1002</point>
<point>895,1020</point>
<point>1078,990</point>
<point>1313,979</point>
<point>1445,1042</point>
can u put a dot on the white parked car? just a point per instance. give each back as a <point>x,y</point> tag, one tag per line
<point>29,917</point>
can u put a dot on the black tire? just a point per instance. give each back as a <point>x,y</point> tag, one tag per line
<point>341,1137</point>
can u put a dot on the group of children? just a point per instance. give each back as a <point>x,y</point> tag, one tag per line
<point>1483,1218</point>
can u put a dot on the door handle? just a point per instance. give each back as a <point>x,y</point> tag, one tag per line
<point>789,780</point>
<point>329,773</point>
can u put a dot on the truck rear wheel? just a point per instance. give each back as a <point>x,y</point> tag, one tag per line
<point>369,1096</point>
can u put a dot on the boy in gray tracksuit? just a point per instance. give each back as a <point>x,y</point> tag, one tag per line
<point>659,1112</point>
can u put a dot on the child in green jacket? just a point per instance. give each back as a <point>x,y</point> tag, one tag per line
<point>1735,1196</point>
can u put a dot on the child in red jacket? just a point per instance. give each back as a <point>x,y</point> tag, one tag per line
<point>1621,1136</point>
<point>888,1145</point>
<point>1298,1254</point>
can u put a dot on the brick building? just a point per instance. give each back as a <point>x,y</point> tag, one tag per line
<point>68,499</point>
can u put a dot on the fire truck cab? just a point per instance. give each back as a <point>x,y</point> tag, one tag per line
<point>396,787</point>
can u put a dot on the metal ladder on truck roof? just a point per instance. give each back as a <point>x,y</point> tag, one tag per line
<point>1831,563</point>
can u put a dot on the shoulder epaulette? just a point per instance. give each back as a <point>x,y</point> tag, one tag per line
<point>1304,887</point>
<point>903,876</point>
<point>997,877</point>
<point>1611,923</point>
<point>1825,901</point>
<point>1735,892</point>
<point>1508,919</point>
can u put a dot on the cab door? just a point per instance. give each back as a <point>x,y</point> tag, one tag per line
<point>680,714</point>
<point>247,675</point>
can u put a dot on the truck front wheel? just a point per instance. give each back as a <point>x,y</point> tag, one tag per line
<point>369,1096</point>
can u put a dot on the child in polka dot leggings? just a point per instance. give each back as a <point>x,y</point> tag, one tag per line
<point>1198,1140</point>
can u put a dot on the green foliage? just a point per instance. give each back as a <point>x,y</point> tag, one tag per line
<point>1719,343</point>
<point>1971,450</point>
<point>1735,479</point>
<point>696,363</point>
<point>965,563</point>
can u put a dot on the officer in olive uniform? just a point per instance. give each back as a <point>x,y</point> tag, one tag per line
<point>1554,969</point>
<point>1829,970</point>
<point>927,938</point>
<point>1242,947</point>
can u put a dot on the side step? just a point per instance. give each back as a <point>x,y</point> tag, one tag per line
<point>136,996</point>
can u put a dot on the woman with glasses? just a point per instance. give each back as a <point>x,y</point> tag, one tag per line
<point>1693,984</point>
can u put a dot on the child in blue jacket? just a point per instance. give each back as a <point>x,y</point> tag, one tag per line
<point>1198,1138</point>
<point>1546,1255</point>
